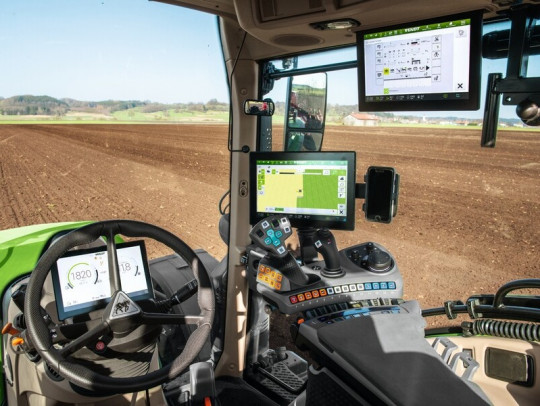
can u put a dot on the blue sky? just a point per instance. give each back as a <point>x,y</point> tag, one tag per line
<point>133,50</point>
<point>109,49</point>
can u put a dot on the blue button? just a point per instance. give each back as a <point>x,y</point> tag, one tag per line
<point>268,241</point>
<point>391,285</point>
<point>367,286</point>
<point>384,285</point>
<point>277,243</point>
<point>330,291</point>
<point>279,234</point>
<point>270,233</point>
<point>376,286</point>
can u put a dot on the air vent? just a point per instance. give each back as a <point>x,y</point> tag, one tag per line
<point>51,373</point>
<point>278,9</point>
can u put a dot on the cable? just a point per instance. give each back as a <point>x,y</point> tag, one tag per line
<point>223,210</point>
<point>506,329</point>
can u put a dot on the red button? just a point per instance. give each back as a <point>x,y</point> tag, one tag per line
<point>293,299</point>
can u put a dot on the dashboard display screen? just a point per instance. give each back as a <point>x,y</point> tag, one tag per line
<point>81,278</point>
<point>429,65</point>
<point>315,189</point>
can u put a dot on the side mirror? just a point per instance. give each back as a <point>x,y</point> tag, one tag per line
<point>381,195</point>
<point>259,107</point>
<point>306,112</point>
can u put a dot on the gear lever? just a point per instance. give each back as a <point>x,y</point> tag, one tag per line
<point>325,244</point>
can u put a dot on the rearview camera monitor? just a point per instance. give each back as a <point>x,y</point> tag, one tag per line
<point>424,65</point>
<point>313,189</point>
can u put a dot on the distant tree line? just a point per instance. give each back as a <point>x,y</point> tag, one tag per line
<point>46,105</point>
<point>33,105</point>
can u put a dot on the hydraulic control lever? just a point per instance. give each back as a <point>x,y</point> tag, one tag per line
<point>270,235</point>
<point>325,244</point>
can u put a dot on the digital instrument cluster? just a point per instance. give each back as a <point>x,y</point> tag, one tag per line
<point>81,278</point>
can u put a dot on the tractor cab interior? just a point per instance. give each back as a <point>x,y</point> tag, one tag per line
<point>93,321</point>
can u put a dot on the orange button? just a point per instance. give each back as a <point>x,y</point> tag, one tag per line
<point>278,286</point>
<point>301,297</point>
<point>308,296</point>
<point>279,277</point>
<point>17,341</point>
<point>322,292</point>
<point>315,293</point>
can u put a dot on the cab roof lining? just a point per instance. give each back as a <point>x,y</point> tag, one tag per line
<point>284,26</point>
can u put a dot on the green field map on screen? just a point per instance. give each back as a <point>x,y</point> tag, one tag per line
<point>288,189</point>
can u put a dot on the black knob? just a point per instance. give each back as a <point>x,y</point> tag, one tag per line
<point>379,261</point>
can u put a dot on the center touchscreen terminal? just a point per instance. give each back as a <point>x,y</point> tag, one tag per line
<point>81,278</point>
<point>313,189</point>
<point>423,65</point>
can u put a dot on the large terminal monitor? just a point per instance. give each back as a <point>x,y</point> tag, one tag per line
<point>424,65</point>
<point>313,189</point>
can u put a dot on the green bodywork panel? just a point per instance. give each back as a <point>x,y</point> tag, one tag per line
<point>21,247</point>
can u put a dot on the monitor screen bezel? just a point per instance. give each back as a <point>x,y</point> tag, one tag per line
<point>475,70</point>
<point>64,313</point>
<point>300,221</point>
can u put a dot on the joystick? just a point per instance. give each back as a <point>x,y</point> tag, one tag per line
<point>325,244</point>
<point>271,233</point>
<point>278,268</point>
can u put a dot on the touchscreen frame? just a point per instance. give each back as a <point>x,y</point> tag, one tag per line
<point>346,222</point>
<point>65,312</point>
<point>411,101</point>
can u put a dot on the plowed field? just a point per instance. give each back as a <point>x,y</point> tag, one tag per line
<point>468,217</point>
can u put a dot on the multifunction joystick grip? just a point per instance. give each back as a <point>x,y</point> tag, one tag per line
<point>270,234</point>
<point>325,244</point>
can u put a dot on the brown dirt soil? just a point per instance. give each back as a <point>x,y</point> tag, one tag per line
<point>468,218</point>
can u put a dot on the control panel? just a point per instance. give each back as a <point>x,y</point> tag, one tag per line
<point>365,271</point>
<point>359,280</point>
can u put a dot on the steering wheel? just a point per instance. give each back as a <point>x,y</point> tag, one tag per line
<point>113,321</point>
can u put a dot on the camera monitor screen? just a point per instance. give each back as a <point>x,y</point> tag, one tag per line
<point>313,189</point>
<point>425,65</point>
<point>81,278</point>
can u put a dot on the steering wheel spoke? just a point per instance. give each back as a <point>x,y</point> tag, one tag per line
<point>91,335</point>
<point>62,333</point>
<point>112,255</point>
